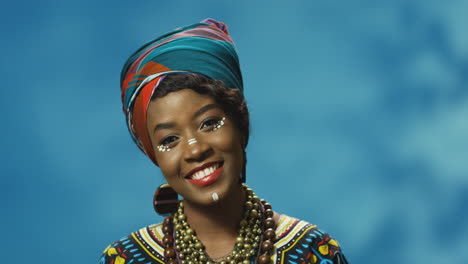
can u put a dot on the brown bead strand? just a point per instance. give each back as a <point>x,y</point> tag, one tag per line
<point>168,240</point>
<point>269,235</point>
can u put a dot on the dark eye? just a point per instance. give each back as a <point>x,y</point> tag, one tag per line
<point>167,141</point>
<point>211,124</point>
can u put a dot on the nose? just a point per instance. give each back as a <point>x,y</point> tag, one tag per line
<point>196,151</point>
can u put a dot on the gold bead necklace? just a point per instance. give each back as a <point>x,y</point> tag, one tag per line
<point>181,242</point>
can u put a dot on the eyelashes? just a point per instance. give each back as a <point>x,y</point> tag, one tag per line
<point>208,125</point>
<point>213,124</point>
<point>167,142</point>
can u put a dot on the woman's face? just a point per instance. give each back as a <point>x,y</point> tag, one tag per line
<point>198,151</point>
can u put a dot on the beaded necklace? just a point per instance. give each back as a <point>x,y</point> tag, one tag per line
<point>254,239</point>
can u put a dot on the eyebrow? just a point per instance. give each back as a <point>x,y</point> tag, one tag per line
<point>199,112</point>
<point>163,126</point>
<point>205,108</point>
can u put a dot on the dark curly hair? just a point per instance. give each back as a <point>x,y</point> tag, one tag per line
<point>231,100</point>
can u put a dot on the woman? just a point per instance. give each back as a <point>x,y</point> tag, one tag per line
<point>182,95</point>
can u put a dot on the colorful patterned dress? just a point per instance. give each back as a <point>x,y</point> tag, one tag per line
<point>298,242</point>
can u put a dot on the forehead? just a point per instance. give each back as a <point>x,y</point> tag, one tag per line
<point>177,104</point>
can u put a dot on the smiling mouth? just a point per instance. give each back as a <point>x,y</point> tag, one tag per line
<point>205,174</point>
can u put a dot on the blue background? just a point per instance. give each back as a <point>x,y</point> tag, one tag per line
<point>359,122</point>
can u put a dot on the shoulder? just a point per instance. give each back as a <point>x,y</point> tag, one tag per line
<point>302,242</point>
<point>142,246</point>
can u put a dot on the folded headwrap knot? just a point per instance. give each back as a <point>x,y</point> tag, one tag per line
<point>203,48</point>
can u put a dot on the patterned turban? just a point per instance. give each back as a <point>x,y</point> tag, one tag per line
<point>203,48</point>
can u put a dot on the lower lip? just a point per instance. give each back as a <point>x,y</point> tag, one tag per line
<point>207,180</point>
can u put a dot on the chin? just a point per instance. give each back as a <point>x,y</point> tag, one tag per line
<point>215,194</point>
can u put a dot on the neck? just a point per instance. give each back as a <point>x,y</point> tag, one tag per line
<point>220,217</point>
<point>217,225</point>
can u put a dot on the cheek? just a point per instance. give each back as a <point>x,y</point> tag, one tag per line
<point>230,145</point>
<point>229,141</point>
<point>169,163</point>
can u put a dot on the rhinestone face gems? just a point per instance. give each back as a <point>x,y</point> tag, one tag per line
<point>192,141</point>
<point>215,197</point>
<point>220,124</point>
<point>163,148</point>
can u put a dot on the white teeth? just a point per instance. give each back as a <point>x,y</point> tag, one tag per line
<point>203,173</point>
<point>198,175</point>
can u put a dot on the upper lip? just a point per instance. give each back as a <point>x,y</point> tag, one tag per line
<point>204,166</point>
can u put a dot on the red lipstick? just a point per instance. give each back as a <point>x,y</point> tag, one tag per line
<point>208,179</point>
